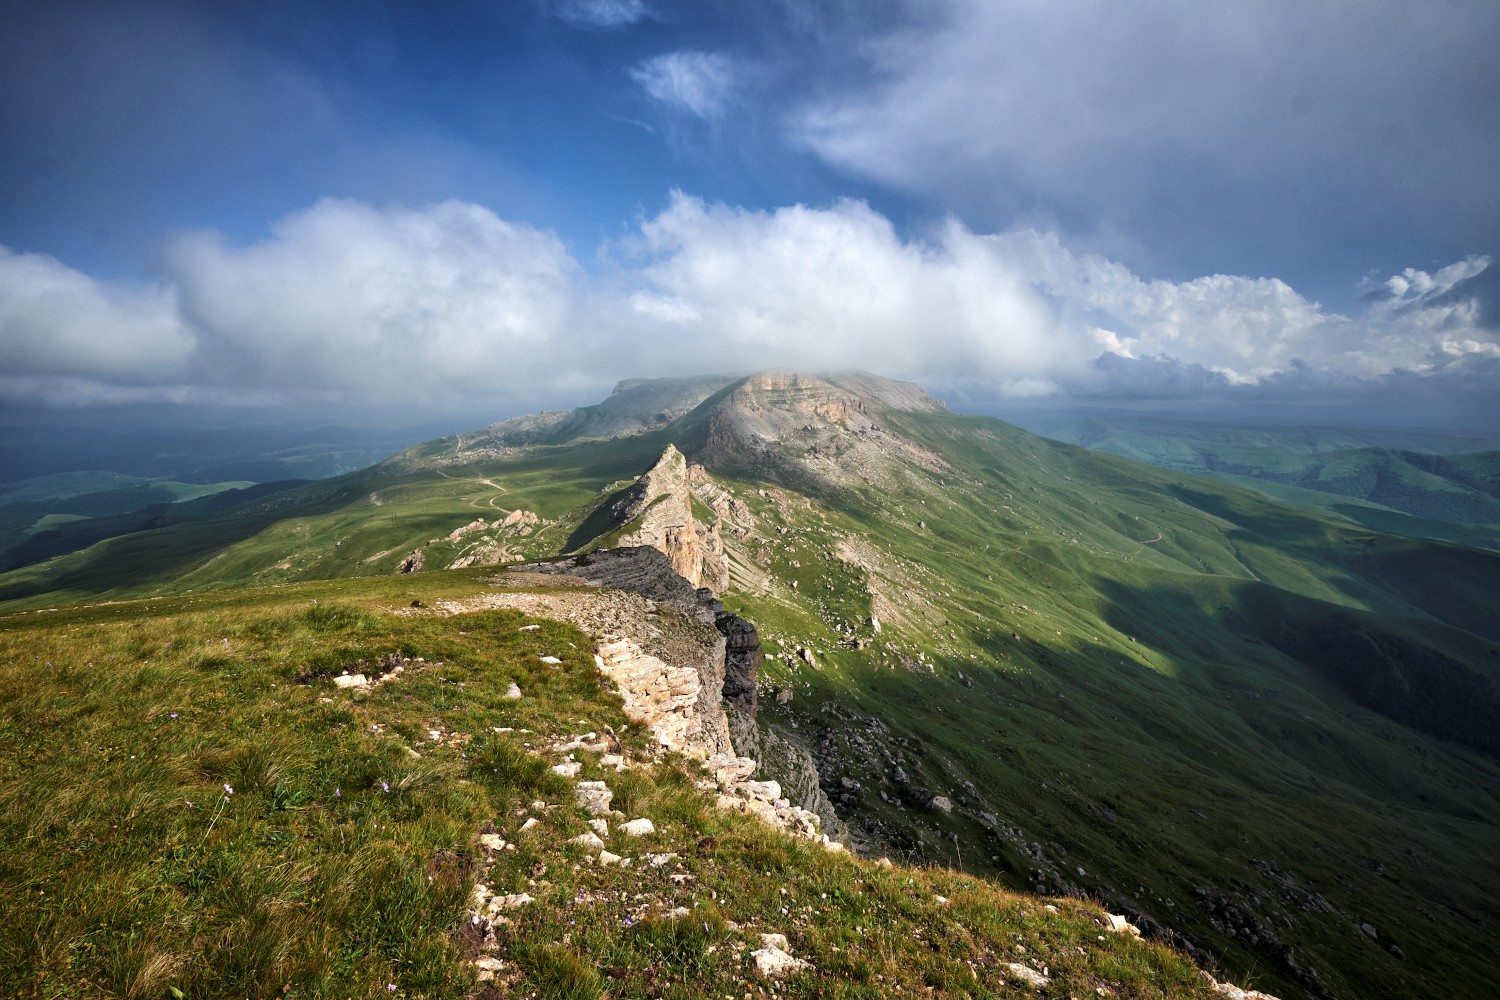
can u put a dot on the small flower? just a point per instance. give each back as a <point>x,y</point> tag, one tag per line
<point>338,794</point>
<point>384,787</point>
<point>389,987</point>
<point>174,715</point>
<point>227,790</point>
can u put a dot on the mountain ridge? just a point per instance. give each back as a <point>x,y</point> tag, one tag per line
<point>1065,671</point>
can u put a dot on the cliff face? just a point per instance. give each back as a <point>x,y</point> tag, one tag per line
<point>831,429</point>
<point>661,502</point>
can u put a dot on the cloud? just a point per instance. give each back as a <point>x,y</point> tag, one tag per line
<point>1182,125</point>
<point>55,320</point>
<point>417,307</point>
<point>346,298</point>
<point>698,83</point>
<point>603,13</point>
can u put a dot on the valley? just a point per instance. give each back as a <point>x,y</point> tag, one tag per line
<point>1261,732</point>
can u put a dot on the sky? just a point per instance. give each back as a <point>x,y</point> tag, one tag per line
<point>482,207</point>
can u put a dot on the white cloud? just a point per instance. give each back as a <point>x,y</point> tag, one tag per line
<point>424,306</point>
<point>603,13</point>
<point>699,83</point>
<point>346,297</point>
<point>58,321</point>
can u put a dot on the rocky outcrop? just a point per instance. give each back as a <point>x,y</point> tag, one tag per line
<point>678,703</point>
<point>796,771</point>
<point>742,657</point>
<point>660,506</point>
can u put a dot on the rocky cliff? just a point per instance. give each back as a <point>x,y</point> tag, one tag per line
<point>658,512</point>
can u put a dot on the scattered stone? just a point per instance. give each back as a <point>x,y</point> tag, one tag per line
<point>784,696</point>
<point>350,680</point>
<point>531,822</point>
<point>660,860</point>
<point>528,628</point>
<point>1028,975</point>
<point>600,826</point>
<point>551,661</point>
<point>1369,931</point>
<point>608,858</point>
<point>638,827</point>
<point>568,768</point>
<point>1119,925</point>
<point>588,840</point>
<point>487,966</point>
<point>491,842</point>
<point>512,693</point>
<point>772,958</point>
<point>509,902</point>
<point>594,796</point>
<point>941,804</point>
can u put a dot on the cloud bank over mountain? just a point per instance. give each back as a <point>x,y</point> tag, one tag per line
<point>349,303</point>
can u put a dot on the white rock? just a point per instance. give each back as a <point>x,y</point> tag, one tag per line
<point>512,693</point>
<point>772,959</point>
<point>1118,924</point>
<point>551,661</point>
<point>499,903</point>
<point>491,841</point>
<point>658,860</point>
<point>528,628</point>
<point>608,858</point>
<point>529,824</point>
<point>350,680</point>
<point>1028,975</point>
<point>486,966</point>
<point>600,826</point>
<point>638,827</point>
<point>568,768</point>
<point>589,840</point>
<point>594,796</point>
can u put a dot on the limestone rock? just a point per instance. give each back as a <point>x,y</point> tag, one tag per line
<point>1028,975</point>
<point>661,504</point>
<point>638,827</point>
<point>594,796</point>
<point>772,959</point>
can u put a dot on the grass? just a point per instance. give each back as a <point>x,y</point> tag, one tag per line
<point>186,818</point>
<point>1090,658</point>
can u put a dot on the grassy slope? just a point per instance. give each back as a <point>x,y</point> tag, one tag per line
<point>1412,474</point>
<point>1139,683</point>
<point>192,809</point>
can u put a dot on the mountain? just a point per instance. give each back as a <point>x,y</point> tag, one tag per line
<point>1263,734</point>
<point>1423,484</point>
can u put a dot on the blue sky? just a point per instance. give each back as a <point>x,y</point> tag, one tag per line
<point>491,206</point>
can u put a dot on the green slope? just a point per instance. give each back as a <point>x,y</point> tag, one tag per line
<point>1256,727</point>
<point>193,809</point>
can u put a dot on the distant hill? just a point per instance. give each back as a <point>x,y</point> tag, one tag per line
<point>1263,733</point>
<point>1438,481</point>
